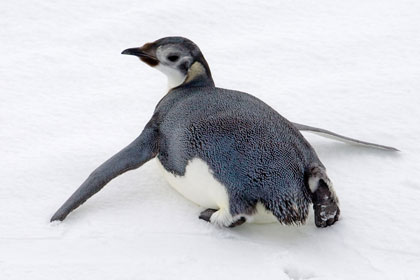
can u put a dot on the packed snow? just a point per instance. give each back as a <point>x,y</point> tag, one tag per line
<point>69,101</point>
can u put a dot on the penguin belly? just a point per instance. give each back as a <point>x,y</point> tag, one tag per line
<point>200,186</point>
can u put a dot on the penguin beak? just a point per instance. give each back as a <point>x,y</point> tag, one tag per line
<point>137,52</point>
<point>144,56</point>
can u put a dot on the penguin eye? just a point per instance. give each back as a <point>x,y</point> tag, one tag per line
<point>173,58</point>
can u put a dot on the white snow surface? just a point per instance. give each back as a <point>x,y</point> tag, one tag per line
<point>69,101</point>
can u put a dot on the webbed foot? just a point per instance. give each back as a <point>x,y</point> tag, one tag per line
<point>324,198</point>
<point>221,218</point>
<point>206,214</point>
<point>326,208</point>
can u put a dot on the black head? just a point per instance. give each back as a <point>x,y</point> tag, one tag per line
<point>178,58</point>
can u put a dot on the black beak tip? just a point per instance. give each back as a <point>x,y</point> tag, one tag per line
<point>127,51</point>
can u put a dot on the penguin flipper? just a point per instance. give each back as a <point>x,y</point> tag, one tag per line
<point>142,149</point>
<point>341,138</point>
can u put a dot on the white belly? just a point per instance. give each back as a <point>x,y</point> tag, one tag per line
<point>199,185</point>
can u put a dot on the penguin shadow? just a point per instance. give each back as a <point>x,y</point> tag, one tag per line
<point>275,233</point>
<point>285,244</point>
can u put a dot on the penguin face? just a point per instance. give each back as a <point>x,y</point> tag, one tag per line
<point>174,61</point>
<point>173,56</point>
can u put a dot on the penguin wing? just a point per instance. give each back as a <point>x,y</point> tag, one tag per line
<point>142,149</point>
<point>329,134</point>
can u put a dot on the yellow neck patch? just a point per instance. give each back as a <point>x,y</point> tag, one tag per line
<point>196,70</point>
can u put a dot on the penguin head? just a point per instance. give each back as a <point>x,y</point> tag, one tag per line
<point>178,58</point>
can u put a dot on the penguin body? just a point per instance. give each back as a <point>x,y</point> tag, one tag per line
<point>251,151</point>
<point>225,150</point>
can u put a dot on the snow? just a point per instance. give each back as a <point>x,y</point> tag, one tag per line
<point>69,101</point>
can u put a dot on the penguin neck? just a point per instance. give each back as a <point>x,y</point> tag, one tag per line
<point>198,76</point>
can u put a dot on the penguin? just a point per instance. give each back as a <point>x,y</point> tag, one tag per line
<point>225,150</point>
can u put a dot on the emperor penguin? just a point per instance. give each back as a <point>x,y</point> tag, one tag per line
<point>225,150</point>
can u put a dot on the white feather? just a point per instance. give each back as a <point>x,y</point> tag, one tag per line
<point>175,77</point>
<point>200,186</point>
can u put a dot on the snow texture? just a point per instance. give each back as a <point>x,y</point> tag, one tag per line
<point>69,100</point>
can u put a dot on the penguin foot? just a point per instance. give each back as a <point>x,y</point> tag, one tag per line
<point>239,222</point>
<point>324,199</point>
<point>326,215</point>
<point>206,214</point>
<point>221,218</point>
<point>325,206</point>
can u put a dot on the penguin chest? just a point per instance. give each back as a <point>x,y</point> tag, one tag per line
<point>200,186</point>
